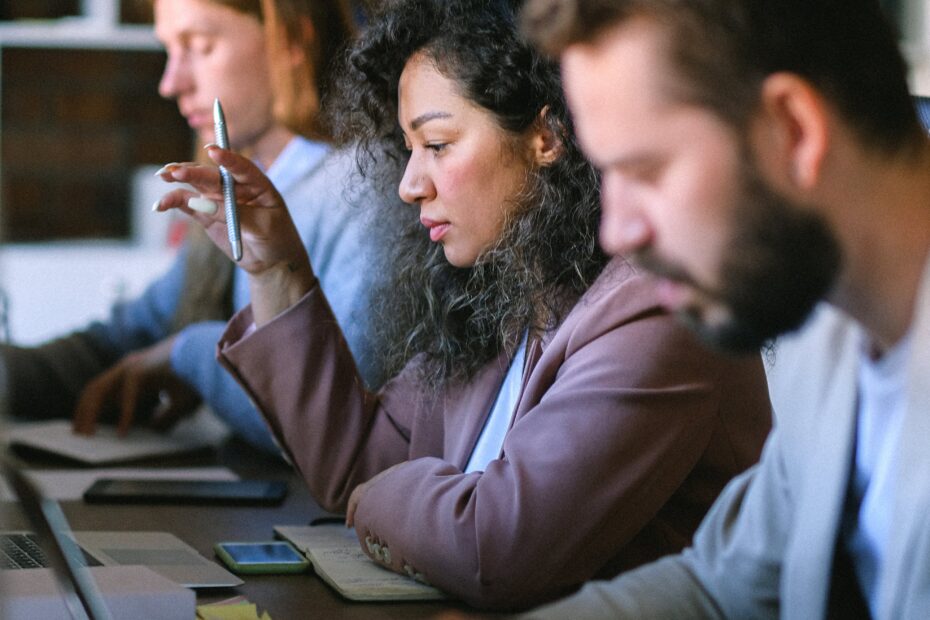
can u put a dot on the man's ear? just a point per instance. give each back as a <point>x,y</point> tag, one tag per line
<point>791,131</point>
<point>545,143</point>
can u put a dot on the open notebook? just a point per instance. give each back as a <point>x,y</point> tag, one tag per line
<point>337,558</point>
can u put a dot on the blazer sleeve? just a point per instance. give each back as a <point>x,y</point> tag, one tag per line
<point>630,405</point>
<point>335,432</point>
<point>732,570</point>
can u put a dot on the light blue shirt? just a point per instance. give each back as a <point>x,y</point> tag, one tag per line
<point>491,439</point>
<point>285,172</point>
<point>882,387</point>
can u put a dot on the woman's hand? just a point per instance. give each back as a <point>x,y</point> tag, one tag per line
<point>361,489</point>
<point>272,252</point>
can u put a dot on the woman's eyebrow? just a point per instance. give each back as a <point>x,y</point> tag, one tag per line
<point>428,116</point>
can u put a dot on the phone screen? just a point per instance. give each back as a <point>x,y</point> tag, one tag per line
<point>108,490</point>
<point>262,553</point>
<point>262,557</point>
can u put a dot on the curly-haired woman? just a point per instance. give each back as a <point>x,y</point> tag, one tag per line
<point>548,422</point>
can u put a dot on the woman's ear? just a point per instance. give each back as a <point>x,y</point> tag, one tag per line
<point>545,142</point>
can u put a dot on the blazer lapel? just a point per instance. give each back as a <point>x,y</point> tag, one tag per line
<point>466,410</point>
<point>808,561</point>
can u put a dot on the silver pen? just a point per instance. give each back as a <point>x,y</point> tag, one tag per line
<point>229,186</point>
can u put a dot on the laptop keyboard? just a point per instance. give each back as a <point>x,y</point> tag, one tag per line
<point>23,551</point>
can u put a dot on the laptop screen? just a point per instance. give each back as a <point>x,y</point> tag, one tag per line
<point>81,595</point>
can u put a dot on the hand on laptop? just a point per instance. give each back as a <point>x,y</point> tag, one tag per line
<point>141,382</point>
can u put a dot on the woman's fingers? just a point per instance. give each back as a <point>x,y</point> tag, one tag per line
<point>180,199</point>
<point>252,186</point>
<point>204,179</point>
<point>203,205</point>
<point>268,233</point>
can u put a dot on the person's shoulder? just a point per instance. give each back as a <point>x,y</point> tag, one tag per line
<point>621,295</point>
<point>806,366</point>
<point>828,342</point>
<point>621,288</point>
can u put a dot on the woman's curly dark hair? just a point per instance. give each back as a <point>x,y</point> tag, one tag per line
<point>458,319</point>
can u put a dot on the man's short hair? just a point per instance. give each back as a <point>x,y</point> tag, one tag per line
<point>722,50</point>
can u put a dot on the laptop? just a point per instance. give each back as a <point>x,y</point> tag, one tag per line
<point>68,588</point>
<point>162,552</point>
<point>80,594</point>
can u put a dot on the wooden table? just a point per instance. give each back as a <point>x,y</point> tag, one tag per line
<point>285,597</point>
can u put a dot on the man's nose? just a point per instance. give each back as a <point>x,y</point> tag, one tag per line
<point>175,79</point>
<point>625,227</point>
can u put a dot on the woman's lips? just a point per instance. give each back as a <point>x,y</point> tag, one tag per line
<point>436,229</point>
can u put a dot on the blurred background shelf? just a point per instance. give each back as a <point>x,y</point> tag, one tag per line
<point>82,127</point>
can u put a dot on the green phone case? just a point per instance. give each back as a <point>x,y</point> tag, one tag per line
<point>263,567</point>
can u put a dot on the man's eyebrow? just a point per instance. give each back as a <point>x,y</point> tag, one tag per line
<point>424,118</point>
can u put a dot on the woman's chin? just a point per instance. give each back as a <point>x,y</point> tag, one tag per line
<point>458,258</point>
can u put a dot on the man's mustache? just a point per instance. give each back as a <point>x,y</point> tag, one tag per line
<point>651,262</point>
<point>667,270</point>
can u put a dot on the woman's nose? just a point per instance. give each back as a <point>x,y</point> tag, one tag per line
<point>415,186</point>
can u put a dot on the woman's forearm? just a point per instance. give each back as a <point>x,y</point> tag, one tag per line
<point>278,288</point>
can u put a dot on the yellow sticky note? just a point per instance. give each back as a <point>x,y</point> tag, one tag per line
<point>236,611</point>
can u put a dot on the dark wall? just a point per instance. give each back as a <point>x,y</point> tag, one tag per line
<point>75,124</point>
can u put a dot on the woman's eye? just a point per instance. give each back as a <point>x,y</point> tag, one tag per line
<point>437,147</point>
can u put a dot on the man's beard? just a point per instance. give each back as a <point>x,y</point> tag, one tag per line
<point>781,261</point>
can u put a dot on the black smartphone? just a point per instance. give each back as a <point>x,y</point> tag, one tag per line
<point>225,492</point>
<point>261,558</point>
